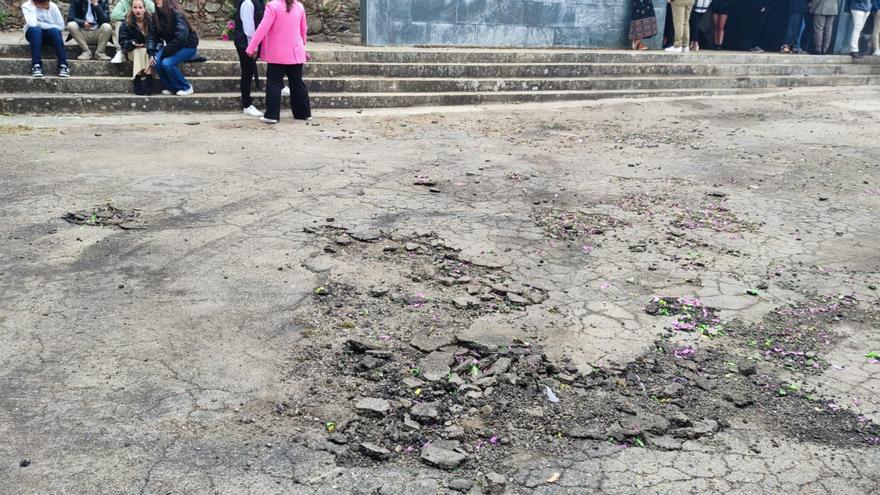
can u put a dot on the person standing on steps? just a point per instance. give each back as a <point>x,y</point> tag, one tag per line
<point>171,42</point>
<point>860,10</point>
<point>643,24</point>
<point>797,11</point>
<point>824,12</point>
<point>697,21</point>
<point>118,17</point>
<point>248,14</point>
<point>133,42</point>
<point>720,12</point>
<point>281,38</point>
<point>681,15</point>
<point>43,23</point>
<point>89,22</point>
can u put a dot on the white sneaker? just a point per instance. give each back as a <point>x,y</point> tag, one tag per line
<point>285,91</point>
<point>876,52</point>
<point>685,49</point>
<point>672,49</point>
<point>166,92</point>
<point>186,92</point>
<point>252,111</point>
<point>118,58</point>
<point>268,121</point>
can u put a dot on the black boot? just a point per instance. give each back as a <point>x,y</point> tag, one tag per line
<point>138,85</point>
<point>148,84</point>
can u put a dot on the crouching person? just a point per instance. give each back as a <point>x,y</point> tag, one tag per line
<point>43,24</point>
<point>89,23</point>
<point>133,40</point>
<point>171,41</point>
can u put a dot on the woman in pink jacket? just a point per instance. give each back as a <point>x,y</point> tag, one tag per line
<point>282,33</point>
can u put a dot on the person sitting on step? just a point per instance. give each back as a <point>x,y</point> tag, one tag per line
<point>43,23</point>
<point>133,42</point>
<point>89,22</point>
<point>118,17</point>
<point>171,41</point>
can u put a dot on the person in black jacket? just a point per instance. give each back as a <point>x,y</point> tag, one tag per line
<point>171,42</point>
<point>248,14</point>
<point>133,42</point>
<point>89,22</point>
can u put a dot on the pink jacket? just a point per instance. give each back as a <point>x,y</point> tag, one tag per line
<point>282,33</point>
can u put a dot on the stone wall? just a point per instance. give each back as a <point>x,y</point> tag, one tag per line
<point>329,20</point>
<point>510,23</point>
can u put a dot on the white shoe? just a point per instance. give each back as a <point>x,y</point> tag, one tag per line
<point>876,52</point>
<point>285,91</point>
<point>268,121</point>
<point>685,49</point>
<point>85,55</point>
<point>672,49</point>
<point>118,58</point>
<point>166,92</point>
<point>252,111</point>
<point>186,92</point>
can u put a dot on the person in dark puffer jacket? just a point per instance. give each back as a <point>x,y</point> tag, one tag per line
<point>133,42</point>
<point>171,41</point>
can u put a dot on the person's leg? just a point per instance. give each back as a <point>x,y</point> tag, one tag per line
<point>299,93</point>
<point>159,67</point>
<point>247,74</point>
<point>274,82</point>
<point>172,72</point>
<point>105,32</point>
<point>758,32</point>
<point>693,22</point>
<point>875,35</point>
<point>54,37</point>
<point>34,37</point>
<point>720,24</point>
<point>79,36</point>
<point>859,17</point>
<point>829,28</point>
<point>685,24</point>
<point>818,32</point>
<point>678,20</point>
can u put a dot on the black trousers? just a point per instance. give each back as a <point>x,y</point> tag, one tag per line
<point>299,94</point>
<point>248,65</point>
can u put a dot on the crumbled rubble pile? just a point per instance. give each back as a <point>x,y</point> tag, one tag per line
<point>572,225</point>
<point>692,315</point>
<point>441,276</point>
<point>106,215</point>
<point>797,335</point>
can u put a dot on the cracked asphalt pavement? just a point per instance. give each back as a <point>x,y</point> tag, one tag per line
<point>258,283</point>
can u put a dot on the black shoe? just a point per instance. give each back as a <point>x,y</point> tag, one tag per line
<point>63,71</point>
<point>855,55</point>
<point>37,71</point>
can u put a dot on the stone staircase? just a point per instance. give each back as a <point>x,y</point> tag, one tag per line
<point>358,77</point>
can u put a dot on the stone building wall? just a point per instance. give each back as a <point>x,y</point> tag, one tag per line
<point>509,23</point>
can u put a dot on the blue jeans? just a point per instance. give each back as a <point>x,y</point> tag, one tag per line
<point>36,37</point>
<point>795,29</point>
<point>170,75</point>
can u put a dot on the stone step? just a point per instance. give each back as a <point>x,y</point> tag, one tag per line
<point>13,66</point>
<point>47,103</point>
<point>109,85</point>
<point>443,55</point>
